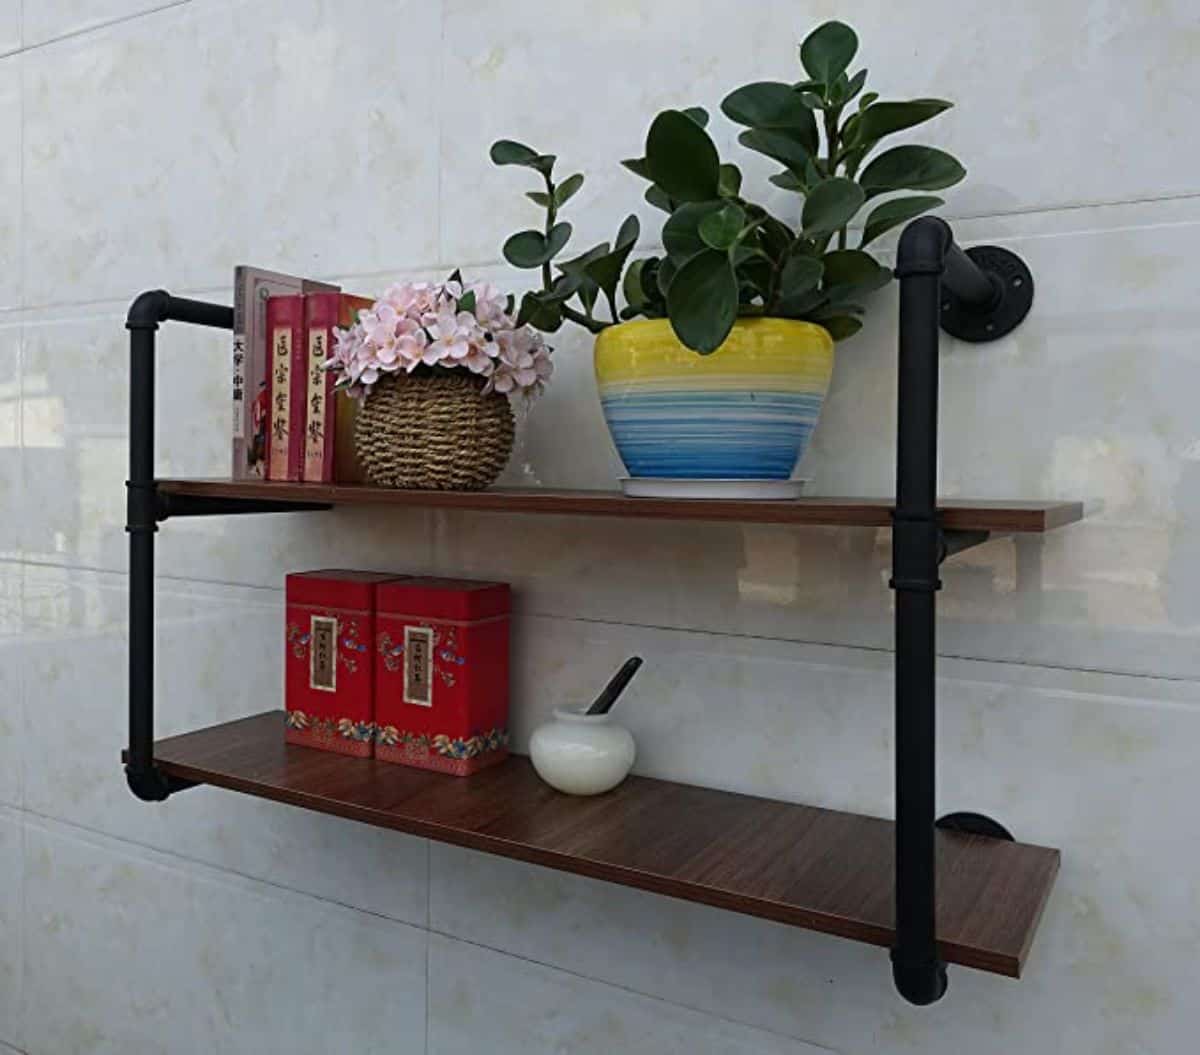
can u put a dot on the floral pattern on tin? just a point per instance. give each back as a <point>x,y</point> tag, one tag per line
<point>447,746</point>
<point>346,728</point>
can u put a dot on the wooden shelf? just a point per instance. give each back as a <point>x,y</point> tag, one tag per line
<point>957,514</point>
<point>813,868</point>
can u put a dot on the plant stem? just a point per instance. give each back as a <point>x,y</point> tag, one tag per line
<point>586,321</point>
<point>551,217</point>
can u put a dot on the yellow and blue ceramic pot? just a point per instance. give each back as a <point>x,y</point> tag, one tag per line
<point>745,412</point>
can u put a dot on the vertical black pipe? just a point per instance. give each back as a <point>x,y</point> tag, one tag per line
<point>919,974</point>
<point>142,522</point>
<point>142,525</point>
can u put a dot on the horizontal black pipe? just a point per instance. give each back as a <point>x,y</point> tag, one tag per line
<point>927,247</point>
<point>157,305</point>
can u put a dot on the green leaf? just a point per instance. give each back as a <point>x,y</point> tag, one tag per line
<point>508,152</point>
<point>697,114</point>
<point>882,119</point>
<point>467,301</point>
<point>730,181</point>
<point>720,229</point>
<point>846,267</point>
<point>788,181</point>
<point>576,268</point>
<point>638,167</point>
<point>538,197</point>
<point>830,206</point>
<point>855,85</point>
<point>842,326</point>
<point>531,249</point>
<point>867,100</point>
<point>658,197</point>
<point>800,306</point>
<point>606,270</point>
<point>910,168</point>
<point>800,274</point>
<point>681,233</point>
<point>782,146</point>
<point>828,50</point>
<point>541,314</point>
<point>649,275</point>
<point>682,159</point>
<point>895,212</point>
<point>703,301</point>
<point>566,190</point>
<point>665,275</point>
<point>771,104</point>
<point>635,294</point>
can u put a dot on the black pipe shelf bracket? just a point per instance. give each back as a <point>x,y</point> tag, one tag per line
<point>146,506</point>
<point>980,294</point>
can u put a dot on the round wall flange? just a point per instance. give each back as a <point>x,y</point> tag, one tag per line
<point>1013,283</point>
<point>974,824</point>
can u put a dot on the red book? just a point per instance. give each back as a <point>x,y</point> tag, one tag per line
<point>329,676</point>
<point>441,673</point>
<point>288,381</point>
<point>323,313</point>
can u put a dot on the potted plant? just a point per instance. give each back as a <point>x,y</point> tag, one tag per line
<point>433,365</point>
<point>716,367</point>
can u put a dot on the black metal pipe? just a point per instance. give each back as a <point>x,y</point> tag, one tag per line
<point>919,973</point>
<point>142,516</point>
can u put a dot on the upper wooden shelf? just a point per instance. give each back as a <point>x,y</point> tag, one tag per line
<point>813,868</point>
<point>957,514</point>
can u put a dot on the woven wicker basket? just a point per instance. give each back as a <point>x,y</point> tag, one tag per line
<point>433,433</point>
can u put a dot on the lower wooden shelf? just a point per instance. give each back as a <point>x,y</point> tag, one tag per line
<point>818,869</point>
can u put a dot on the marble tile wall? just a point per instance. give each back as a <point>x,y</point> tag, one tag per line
<point>150,143</point>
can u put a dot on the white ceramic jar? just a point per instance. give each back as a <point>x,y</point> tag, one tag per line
<point>582,754</point>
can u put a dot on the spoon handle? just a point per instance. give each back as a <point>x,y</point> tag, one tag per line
<point>603,703</point>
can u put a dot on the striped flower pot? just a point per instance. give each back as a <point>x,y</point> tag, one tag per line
<point>745,412</point>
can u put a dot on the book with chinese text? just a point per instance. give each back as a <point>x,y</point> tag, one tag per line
<point>327,439</point>
<point>252,286</point>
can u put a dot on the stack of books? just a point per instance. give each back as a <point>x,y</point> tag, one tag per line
<point>288,423</point>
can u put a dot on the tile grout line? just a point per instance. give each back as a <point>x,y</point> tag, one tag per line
<point>665,628</point>
<point>430,931</point>
<point>97,27</point>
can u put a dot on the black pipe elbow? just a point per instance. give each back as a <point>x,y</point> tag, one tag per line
<point>923,247</point>
<point>148,310</point>
<point>922,983</point>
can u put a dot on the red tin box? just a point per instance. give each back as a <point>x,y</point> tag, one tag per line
<point>329,678</point>
<point>441,674</point>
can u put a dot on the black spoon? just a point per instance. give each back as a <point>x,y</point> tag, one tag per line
<point>603,703</point>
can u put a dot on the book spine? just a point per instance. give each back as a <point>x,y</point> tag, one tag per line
<point>321,315</point>
<point>285,331</point>
<point>240,424</point>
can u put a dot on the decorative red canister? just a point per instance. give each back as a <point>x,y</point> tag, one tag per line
<point>441,674</point>
<point>329,677</point>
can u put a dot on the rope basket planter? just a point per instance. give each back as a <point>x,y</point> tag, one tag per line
<point>433,433</point>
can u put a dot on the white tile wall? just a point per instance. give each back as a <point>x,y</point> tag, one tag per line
<point>156,144</point>
<point>128,951</point>
<point>11,947</point>
<point>524,1007</point>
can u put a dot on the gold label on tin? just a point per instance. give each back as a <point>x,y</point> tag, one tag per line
<point>322,670</point>
<point>418,665</point>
